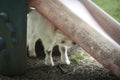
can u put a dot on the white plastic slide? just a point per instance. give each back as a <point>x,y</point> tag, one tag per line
<point>79,9</point>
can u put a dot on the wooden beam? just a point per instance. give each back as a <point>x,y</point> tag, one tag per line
<point>110,25</point>
<point>103,49</point>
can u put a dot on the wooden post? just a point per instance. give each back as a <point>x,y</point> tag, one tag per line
<point>104,50</point>
<point>110,25</point>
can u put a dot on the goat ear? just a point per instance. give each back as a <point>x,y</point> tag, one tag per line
<point>73,43</point>
<point>55,28</point>
<point>63,41</point>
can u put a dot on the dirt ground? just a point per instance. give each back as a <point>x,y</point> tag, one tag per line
<point>85,69</point>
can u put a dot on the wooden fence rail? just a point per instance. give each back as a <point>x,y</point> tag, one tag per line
<point>110,25</point>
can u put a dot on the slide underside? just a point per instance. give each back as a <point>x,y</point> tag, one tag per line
<point>87,25</point>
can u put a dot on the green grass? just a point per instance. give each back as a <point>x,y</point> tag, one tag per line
<point>75,58</point>
<point>112,7</point>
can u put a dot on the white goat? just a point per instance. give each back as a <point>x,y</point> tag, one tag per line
<point>39,28</point>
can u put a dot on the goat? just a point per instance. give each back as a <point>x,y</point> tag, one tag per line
<point>40,28</point>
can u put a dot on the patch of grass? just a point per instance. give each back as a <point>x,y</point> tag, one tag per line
<point>76,58</point>
<point>112,7</point>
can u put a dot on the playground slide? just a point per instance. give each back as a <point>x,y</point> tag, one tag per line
<point>77,22</point>
<point>79,9</point>
<point>109,24</point>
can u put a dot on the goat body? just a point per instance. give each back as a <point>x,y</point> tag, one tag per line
<point>40,28</point>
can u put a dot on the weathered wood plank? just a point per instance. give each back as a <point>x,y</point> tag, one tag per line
<point>103,49</point>
<point>110,25</point>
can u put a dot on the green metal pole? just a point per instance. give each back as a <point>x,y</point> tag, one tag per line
<point>12,36</point>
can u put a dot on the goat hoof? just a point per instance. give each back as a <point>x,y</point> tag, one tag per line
<point>49,63</point>
<point>65,62</point>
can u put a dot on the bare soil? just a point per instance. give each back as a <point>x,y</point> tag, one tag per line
<point>85,69</point>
